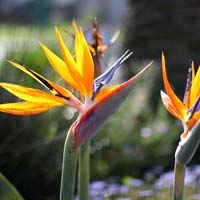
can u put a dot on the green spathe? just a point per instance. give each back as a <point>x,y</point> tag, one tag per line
<point>187,147</point>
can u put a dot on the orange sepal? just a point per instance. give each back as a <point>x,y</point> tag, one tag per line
<point>70,63</point>
<point>195,88</point>
<point>60,67</point>
<point>191,122</point>
<point>50,85</point>
<point>174,99</point>
<point>26,107</point>
<point>87,66</point>
<point>31,94</point>
<point>169,105</point>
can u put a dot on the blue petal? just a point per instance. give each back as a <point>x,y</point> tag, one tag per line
<point>195,107</point>
<point>107,76</point>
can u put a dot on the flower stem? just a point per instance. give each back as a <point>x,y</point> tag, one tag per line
<point>84,171</point>
<point>179,176</point>
<point>70,155</point>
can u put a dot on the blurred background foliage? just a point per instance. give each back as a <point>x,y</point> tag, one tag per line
<point>141,136</point>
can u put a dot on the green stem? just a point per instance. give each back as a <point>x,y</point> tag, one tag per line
<point>84,171</point>
<point>70,155</point>
<point>179,176</point>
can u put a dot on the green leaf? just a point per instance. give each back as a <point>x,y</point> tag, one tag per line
<point>7,190</point>
<point>70,156</point>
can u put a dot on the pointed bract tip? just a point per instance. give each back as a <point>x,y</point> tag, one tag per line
<point>74,24</point>
<point>41,44</point>
<point>163,58</point>
<point>161,93</point>
<point>56,28</point>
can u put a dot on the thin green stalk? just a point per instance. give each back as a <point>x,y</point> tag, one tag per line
<point>84,171</point>
<point>179,176</point>
<point>70,155</point>
<point>184,153</point>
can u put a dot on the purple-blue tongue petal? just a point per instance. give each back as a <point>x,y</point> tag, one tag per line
<point>107,76</point>
<point>195,107</point>
<point>88,123</point>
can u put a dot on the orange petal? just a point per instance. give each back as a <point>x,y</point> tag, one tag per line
<point>105,92</point>
<point>178,105</point>
<point>195,88</point>
<point>26,108</point>
<point>51,86</point>
<point>30,94</point>
<point>70,63</point>
<point>169,105</point>
<point>60,67</point>
<point>78,50</point>
<point>193,120</point>
<point>193,71</point>
<point>87,65</point>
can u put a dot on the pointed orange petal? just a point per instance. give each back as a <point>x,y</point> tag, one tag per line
<point>54,88</point>
<point>84,61</point>
<point>105,92</point>
<point>78,50</point>
<point>193,71</point>
<point>38,96</point>
<point>60,67</point>
<point>195,89</point>
<point>193,120</point>
<point>178,105</point>
<point>30,94</point>
<point>51,86</point>
<point>87,67</point>
<point>26,108</point>
<point>70,63</point>
<point>169,105</point>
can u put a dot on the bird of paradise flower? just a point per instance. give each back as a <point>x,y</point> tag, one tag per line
<point>188,112</point>
<point>95,106</point>
<point>77,72</point>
